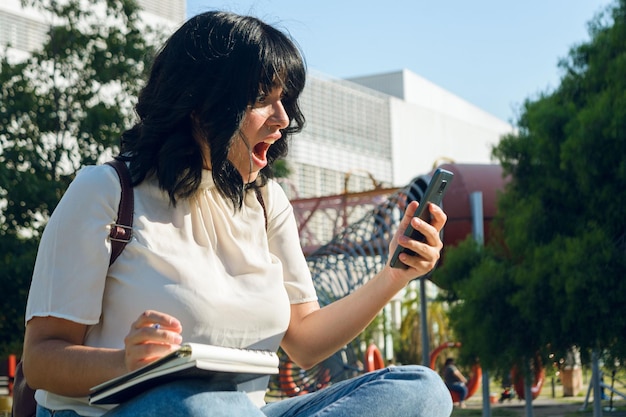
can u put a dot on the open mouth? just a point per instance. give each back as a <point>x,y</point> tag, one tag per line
<point>259,152</point>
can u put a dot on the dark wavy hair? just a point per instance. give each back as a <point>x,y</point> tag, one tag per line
<point>202,80</point>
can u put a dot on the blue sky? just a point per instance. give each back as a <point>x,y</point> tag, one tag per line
<point>492,53</point>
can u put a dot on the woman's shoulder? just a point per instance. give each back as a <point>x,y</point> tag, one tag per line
<point>96,175</point>
<point>275,195</point>
<point>96,180</point>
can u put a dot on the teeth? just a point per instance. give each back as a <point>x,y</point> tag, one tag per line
<point>269,142</point>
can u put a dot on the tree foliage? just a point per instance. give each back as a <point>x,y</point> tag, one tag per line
<point>61,108</point>
<point>555,276</point>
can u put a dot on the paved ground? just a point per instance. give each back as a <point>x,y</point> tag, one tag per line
<point>546,407</point>
<point>553,407</point>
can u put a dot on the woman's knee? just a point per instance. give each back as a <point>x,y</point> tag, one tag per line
<point>417,373</point>
<point>421,387</point>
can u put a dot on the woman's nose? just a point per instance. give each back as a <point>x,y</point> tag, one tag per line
<point>279,116</point>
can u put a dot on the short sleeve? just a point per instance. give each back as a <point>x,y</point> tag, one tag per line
<point>73,256</point>
<point>284,243</point>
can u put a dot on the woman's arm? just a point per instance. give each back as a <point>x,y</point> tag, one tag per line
<point>314,334</point>
<point>56,360</point>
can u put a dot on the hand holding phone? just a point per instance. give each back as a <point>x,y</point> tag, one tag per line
<point>434,194</point>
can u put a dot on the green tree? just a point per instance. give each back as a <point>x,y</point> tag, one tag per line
<point>61,108</point>
<point>482,313</point>
<point>554,277</point>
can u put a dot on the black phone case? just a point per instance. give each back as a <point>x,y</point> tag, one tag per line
<point>434,194</point>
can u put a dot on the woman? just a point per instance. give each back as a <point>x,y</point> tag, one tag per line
<point>215,255</point>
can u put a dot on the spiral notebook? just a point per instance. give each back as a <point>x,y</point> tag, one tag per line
<point>191,360</point>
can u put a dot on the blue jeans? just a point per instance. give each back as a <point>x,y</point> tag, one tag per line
<point>402,391</point>
<point>460,388</point>
<point>399,391</point>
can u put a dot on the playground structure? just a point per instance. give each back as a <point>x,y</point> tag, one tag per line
<point>361,225</point>
<point>321,219</point>
<point>474,379</point>
<point>7,370</point>
<point>476,374</point>
<point>597,384</point>
<point>539,376</point>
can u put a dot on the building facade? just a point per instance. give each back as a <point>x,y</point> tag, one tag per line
<point>384,129</point>
<point>346,142</point>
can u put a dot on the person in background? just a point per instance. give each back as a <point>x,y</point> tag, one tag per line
<point>215,255</point>
<point>455,381</point>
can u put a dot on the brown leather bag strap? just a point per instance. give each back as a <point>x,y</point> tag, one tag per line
<point>24,404</point>
<point>259,197</point>
<point>122,230</point>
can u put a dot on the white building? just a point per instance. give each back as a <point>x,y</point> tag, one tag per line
<point>429,123</point>
<point>392,126</point>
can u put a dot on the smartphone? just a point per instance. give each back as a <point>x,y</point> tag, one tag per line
<point>434,193</point>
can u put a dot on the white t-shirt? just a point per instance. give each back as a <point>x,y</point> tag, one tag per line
<point>228,280</point>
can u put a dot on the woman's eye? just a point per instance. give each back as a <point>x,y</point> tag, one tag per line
<point>260,99</point>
